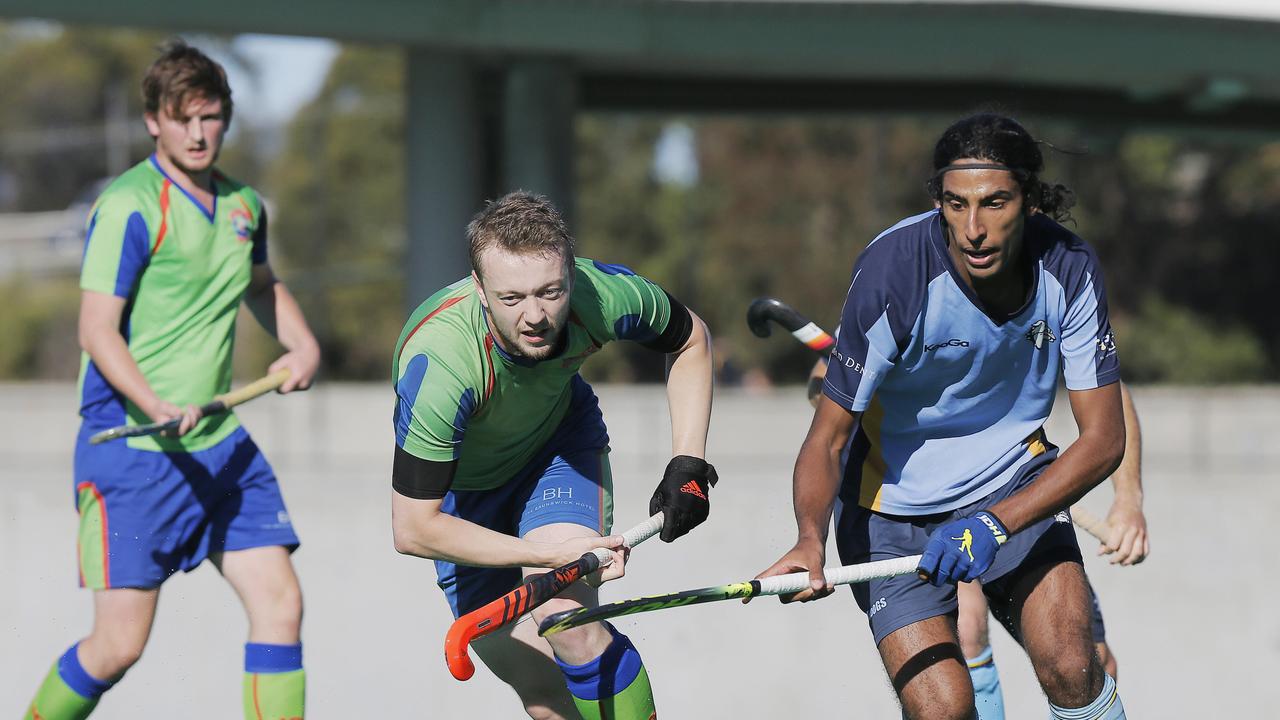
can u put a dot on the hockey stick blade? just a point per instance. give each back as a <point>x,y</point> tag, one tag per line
<point>537,590</point>
<point>765,309</point>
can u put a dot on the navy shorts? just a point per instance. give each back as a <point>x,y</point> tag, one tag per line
<point>567,482</point>
<point>863,535</point>
<point>145,515</point>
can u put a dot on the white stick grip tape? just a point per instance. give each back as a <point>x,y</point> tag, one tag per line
<point>632,538</point>
<point>846,575</point>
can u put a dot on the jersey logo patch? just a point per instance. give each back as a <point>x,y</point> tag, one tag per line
<point>953,342</point>
<point>1040,333</point>
<point>1107,344</point>
<point>242,223</point>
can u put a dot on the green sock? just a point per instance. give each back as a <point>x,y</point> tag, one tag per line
<point>275,696</point>
<point>55,700</point>
<point>633,703</point>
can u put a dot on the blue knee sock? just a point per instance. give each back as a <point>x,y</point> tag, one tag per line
<point>986,685</point>
<point>68,692</point>
<point>614,685</point>
<point>79,679</point>
<point>1106,706</point>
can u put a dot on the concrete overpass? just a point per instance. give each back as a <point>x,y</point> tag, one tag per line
<point>493,85</point>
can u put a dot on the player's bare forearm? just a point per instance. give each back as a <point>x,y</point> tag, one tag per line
<point>278,312</point>
<point>1128,543</point>
<point>1127,479</point>
<point>1089,460</point>
<point>689,390</point>
<point>420,529</point>
<point>816,479</point>
<point>99,335</point>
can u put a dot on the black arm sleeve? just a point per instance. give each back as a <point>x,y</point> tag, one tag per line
<point>421,479</point>
<point>678,329</point>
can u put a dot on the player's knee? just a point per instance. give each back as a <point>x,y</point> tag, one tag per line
<point>939,707</point>
<point>553,606</point>
<point>1069,677</point>
<point>277,610</point>
<point>116,653</point>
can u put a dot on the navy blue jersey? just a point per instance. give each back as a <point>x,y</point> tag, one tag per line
<point>953,401</point>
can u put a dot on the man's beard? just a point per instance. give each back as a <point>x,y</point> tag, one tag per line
<point>520,348</point>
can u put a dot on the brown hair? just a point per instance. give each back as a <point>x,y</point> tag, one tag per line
<point>180,74</point>
<point>520,222</point>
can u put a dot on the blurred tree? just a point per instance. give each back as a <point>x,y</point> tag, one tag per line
<point>63,89</point>
<point>1168,343</point>
<point>339,234</point>
<point>1185,226</point>
<point>39,327</point>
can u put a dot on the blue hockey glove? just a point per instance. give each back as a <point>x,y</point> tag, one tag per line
<point>961,550</point>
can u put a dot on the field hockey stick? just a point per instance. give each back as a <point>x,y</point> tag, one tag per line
<point>1091,523</point>
<point>765,309</point>
<point>776,585</point>
<point>220,404</point>
<point>537,590</point>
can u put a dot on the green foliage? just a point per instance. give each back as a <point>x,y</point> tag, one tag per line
<point>1185,227</point>
<point>339,235</point>
<point>55,92</point>
<point>39,327</point>
<point>1170,344</point>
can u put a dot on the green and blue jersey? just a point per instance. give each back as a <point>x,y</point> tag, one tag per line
<point>461,397</point>
<point>182,270</point>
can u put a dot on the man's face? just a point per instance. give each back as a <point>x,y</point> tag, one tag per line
<point>527,297</point>
<point>985,214</point>
<point>192,141</point>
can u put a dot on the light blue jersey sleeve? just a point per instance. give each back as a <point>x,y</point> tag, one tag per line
<point>1088,344</point>
<point>882,305</point>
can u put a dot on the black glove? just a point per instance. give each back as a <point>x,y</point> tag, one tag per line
<point>682,495</point>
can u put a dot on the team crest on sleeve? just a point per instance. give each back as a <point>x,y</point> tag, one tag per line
<point>1039,334</point>
<point>242,223</point>
<point>1107,344</point>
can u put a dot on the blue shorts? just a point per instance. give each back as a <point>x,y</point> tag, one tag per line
<point>893,603</point>
<point>145,515</point>
<point>567,482</point>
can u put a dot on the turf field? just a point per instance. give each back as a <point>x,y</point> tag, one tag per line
<point>1194,628</point>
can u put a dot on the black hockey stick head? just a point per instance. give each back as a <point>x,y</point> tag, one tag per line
<point>764,309</point>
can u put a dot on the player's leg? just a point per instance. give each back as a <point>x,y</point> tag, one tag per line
<point>976,644</point>
<point>1053,607</point>
<point>249,539</point>
<point>275,682</point>
<point>1099,627</point>
<point>515,654</point>
<point>525,662</point>
<point>573,497</point>
<point>122,620</point>
<point>129,541</point>
<point>928,671</point>
<point>912,622</point>
<point>602,668</point>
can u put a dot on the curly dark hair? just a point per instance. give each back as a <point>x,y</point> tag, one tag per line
<point>1000,139</point>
